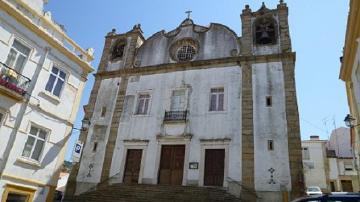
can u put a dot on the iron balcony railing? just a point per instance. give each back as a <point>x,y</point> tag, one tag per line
<point>12,80</point>
<point>175,115</point>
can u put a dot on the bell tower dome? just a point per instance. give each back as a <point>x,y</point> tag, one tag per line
<point>265,31</point>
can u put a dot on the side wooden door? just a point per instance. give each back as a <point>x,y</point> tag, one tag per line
<point>132,166</point>
<point>214,167</point>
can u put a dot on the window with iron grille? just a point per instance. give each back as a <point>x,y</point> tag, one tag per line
<point>56,81</point>
<point>17,56</point>
<point>35,143</point>
<point>143,104</point>
<point>217,99</point>
<point>185,53</point>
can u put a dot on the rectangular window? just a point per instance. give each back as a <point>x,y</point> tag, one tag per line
<point>17,56</point>
<point>348,166</point>
<point>178,102</point>
<point>305,153</point>
<point>2,117</point>
<point>270,145</point>
<point>143,104</point>
<point>56,81</point>
<point>95,146</point>
<point>103,111</point>
<point>268,101</point>
<point>35,143</point>
<point>217,99</point>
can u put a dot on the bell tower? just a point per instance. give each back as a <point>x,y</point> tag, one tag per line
<point>265,31</point>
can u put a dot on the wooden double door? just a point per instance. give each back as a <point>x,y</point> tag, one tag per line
<point>347,185</point>
<point>132,166</point>
<point>171,164</point>
<point>214,167</point>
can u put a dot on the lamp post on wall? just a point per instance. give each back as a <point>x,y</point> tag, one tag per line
<point>85,124</point>
<point>350,122</point>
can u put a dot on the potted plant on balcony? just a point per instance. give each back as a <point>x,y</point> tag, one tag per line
<point>9,79</point>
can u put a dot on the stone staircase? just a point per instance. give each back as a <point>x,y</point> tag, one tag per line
<point>155,193</point>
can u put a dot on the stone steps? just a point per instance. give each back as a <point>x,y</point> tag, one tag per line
<point>155,193</point>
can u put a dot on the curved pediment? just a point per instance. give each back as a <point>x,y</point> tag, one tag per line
<point>188,42</point>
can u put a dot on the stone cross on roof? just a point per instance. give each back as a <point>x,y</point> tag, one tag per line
<point>188,14</point>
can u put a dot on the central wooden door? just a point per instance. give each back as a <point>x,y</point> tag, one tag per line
<point>132,166</point>
<point>214,167</point>
<point>346,185</point>
<point>171,164</point>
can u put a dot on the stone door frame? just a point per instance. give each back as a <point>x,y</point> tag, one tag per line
<point>130,144</point>
<point>172,140</point>
<point>213,144</point>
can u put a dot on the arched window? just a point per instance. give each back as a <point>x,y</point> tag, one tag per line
<point>118,50</point>
<point>265,31</point>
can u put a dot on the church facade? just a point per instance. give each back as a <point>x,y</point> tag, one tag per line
<point>197,106</point>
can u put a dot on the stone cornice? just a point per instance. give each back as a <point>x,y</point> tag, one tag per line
<point>203,64</point>
<point>350,47</point>
<point>25,21</point>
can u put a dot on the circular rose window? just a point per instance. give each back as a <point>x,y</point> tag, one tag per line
<point>184,50</point>
<point>185,53</point>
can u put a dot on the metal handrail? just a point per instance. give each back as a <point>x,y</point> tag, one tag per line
<point>13,80</point>
<point>175,115</point>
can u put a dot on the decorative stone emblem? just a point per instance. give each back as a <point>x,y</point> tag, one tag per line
<point>234,52</point>
<point>91,166</point>
<point>271,181</point>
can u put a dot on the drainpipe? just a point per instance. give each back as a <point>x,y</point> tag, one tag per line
<point>20,115</point>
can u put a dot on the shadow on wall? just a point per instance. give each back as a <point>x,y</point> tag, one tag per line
<point>48,158</point>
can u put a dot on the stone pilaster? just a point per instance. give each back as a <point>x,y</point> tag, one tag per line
<point>248,189</point>
<point>105,173</point>
<point>246,37</point>
<point>285,41</point>
<point>293,128</point>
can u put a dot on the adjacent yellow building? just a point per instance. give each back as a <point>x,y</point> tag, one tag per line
<point>350,72</point>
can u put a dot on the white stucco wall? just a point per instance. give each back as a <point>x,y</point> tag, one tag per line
<point>317,175</point>
<point>340,142</point>
<point>202,123</point>
<point>334,170</point>
<point>270,124</point>
<point>106,98</point>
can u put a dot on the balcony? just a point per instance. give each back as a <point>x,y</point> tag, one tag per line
<point>12,83</point>
<point>175,116</point>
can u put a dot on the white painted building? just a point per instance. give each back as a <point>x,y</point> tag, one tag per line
<point>316,169</point>
<point>196,106</point>
<point>330,164</point>
<point>42,76</point>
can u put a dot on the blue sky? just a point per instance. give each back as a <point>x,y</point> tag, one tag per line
<point>317,31</point>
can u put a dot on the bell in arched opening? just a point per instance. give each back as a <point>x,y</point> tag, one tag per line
<point>265,32</point>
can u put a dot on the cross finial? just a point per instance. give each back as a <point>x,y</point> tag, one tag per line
<point>188,14</point>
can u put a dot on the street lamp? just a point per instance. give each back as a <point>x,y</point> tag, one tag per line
<point>85,124</point>
<point>350,121</point>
